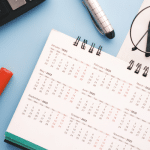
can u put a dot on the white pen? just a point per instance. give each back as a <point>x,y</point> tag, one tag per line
<point>99,18</point>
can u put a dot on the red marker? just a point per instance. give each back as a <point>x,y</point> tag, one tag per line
<point>5,76</point>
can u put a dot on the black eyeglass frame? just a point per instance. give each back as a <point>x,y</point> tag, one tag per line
<point>131,30</point>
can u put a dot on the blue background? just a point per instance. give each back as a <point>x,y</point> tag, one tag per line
<point>22,40</point>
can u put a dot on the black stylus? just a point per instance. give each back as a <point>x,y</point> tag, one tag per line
<point>148,43</point>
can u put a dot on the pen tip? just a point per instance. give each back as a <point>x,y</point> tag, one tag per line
<point>147,54</point>
<point>111,34</point>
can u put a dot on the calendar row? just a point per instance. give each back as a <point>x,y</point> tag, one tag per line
<point>121,121</point>
<point>99,77</point>
<point>76,128</point>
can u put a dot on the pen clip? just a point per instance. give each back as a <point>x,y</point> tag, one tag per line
<point>93,20</point>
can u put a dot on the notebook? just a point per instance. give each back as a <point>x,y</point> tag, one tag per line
<point>79,98</point>
<point>140,27</point>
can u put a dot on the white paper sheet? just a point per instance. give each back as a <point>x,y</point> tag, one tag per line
<point>140,26</point>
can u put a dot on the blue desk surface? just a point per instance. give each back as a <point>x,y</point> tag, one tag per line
<point>22,40</point>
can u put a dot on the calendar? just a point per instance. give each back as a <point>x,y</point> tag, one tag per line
<point>79,98</point>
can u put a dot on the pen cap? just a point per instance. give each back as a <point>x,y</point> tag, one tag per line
<point>100,17</point>
<point>5,76</point>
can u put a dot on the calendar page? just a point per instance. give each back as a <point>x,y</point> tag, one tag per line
<point>77,100</point>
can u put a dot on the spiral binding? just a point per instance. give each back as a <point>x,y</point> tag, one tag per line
<point>77,41</point>
<point>139,66</point>
<point>92,48</point>
<point>83,46</point>
<point>146,71</point>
